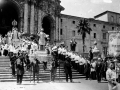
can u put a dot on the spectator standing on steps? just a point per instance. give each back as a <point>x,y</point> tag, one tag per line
<point>98,70</point>
<point>20,69</point>
<point>68,69</point>
<point>53,69</point>
<point>36,69</point>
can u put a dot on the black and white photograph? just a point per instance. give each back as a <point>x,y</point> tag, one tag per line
<point>59,44</point>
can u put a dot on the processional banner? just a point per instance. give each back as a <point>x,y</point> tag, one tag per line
<point>114,43</point>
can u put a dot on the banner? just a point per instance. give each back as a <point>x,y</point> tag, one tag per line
<point>114,43</point>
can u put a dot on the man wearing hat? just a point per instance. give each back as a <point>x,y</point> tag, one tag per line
<point>42,41</point>
<point>98,70</point>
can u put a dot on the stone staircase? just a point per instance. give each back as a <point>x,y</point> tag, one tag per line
<point>6,75</point>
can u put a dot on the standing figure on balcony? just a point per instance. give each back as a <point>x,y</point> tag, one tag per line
<point>42,40</point>
<point>73,45</point>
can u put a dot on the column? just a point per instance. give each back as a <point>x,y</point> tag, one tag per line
<point>39,20</point>
<point>59,28</point>
<point>32,18</point>
<point>21,24</point>
<point>56,29</point>
<point>26,16</point>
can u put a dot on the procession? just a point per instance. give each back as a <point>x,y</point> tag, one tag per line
<point>24,56</point>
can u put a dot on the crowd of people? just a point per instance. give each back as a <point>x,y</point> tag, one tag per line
<point>23,53</point>
<point>94,68</point>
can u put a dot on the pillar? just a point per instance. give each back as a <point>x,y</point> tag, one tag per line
<point>59,27</point>
<point>39,20</point>
<point>56,29</point>
<point>26,16</point>
<point>32,18</point>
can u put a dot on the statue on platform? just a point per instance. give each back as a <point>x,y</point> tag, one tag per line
<point>42,41</point>
<point>15,36</point>
<point>9,37</point>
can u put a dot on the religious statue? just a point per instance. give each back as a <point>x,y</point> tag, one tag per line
<point>15,36</point>
<point>42,41</point>
<point>9,37</point>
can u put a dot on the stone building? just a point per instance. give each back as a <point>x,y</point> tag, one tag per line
<point>31,16</point>
<point>100,25</point>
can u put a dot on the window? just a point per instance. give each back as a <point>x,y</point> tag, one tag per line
<point>112,19</point>
<point>112,28</point>
<point>119,19</point>
<point>73,22</point>
<point>61,31</point>
<point>94,35</point>
<point>61,20</point>
<point>104,35</point>
<point>103,26</point>
<point>94,25</point>
<point>73,33</point>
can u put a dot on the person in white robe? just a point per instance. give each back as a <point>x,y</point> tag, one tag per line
<point>42,41</point>
<point>111,77</point>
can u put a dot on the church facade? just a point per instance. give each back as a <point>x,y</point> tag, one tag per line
<point>32,15</point>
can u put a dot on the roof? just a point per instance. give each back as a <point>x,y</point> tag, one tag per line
<point>103,13</point>
<point>72,17</point>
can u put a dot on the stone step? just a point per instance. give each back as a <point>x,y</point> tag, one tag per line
<point>6,72</point>
<point>40,79</point>
<point>47,70</point>
<point>40,75</point>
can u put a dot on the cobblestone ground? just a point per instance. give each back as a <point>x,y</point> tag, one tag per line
<point>79,84</point>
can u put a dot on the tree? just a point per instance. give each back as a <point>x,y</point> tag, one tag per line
<point>83,29</point>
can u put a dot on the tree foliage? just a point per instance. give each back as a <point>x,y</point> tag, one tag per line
<point>83,29</point>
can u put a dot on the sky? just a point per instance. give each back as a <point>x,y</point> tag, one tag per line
<point>89,8</point>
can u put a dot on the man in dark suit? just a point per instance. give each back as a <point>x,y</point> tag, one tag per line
<point>54,66</point>
<point>98,70</point>
<point>87,70</point>
<point>68,69</point>
<point>36,69</point>
<point>20,69</point>
<point>13,60</point>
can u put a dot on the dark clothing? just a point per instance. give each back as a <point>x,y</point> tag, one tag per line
<point>36,69</point>
<point>20,69</point>
<point>5,52</point>
<point>90,55</point>
<point>19,78</point>
<point>87,70</point>
<point>98,71</point>
<point>68,70</point>
<point>73,46</point>
<point>44,65</point>
<point>13,60</point>
<point>53,69</point>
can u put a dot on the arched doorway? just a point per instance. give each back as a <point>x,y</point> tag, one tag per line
<point>47,25</point>
<point>8,13</point>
